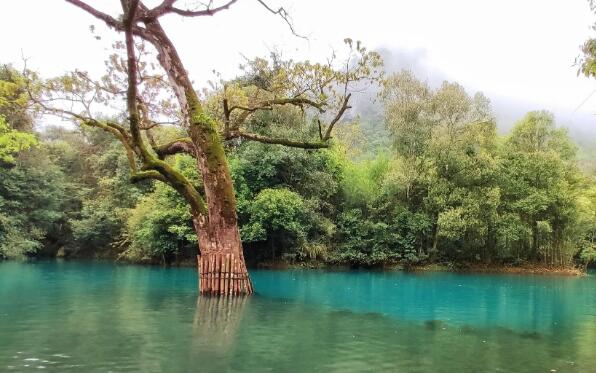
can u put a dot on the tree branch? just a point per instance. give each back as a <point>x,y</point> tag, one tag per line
<point>280,141</point>
<point>147,175</point>
<point>226,113</point>
<point>337,117</point>
<point>160,9</point>
<point>320,129</point>
<point>182,145</point>
<point>284,15</point>
<point>109,20</point>
<point>173,177</point>
<point>119,132</point>
<point>134,114</point>
<point>205,12</point>
<point>168,7</point>
<point>267,104</point>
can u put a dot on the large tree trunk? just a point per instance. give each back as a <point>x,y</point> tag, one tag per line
<point>222,270</point>
<point>221,265</point>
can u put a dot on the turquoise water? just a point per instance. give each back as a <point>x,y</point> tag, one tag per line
<point>96,317</point>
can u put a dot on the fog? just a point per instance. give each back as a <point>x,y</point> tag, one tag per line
<point>520,54</point>
<point>580,121</point>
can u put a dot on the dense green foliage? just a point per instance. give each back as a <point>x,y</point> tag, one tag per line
<point>436,184</point>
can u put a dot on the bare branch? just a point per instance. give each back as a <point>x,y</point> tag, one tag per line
<point>109,20</point>
<point>284,15</point>
<point>134,114</point>
<point>118,131</point>
<point>174,178</point>
<point>160,9</point>
<point>168,7</point>
<point>204,12</point>
<point>338,116</point>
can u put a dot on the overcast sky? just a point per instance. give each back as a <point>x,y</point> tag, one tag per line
<point>520,53</point>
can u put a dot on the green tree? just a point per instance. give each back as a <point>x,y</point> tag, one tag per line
<point>16,123</point>
<point>13,142</point>
<point>540,189</point>
<point>445,143</point>
<point>158,228</point>
<point>35,200</point>
<point>14,99</point>
<point>99,166</point>
<point>314,176</point>
<point>278,216</point>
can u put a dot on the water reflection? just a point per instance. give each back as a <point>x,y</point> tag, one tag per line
<point>218,319</point>
<point>295,337</point>
<point>97,318</point>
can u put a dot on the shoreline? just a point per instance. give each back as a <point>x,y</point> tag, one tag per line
<point>524,269</point>
<point>466,268</point>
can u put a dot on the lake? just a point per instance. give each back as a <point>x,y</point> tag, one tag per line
<point>100,317</point>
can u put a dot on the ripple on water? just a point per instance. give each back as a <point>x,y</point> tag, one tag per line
<point>97,318</point>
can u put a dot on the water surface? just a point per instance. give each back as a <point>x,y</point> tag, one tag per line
<point>98,317</point>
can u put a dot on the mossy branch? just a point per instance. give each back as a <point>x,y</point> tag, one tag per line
<point>144,175</point>
<point>281,141</point>
<point>268,104</point>
<point>181,145</point>
<point>150,162</point>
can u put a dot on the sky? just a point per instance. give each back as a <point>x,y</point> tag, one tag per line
<point>519,53</point>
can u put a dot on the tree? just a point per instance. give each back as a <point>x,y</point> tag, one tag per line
<point>96,161</point>
<point>14,99</point>
<point>29,185</point>
<point>277,216</point>
<point>445,141</point>
<point>540,189</point>
<point>36,200</point>
<point>259,171</point>
<point>322,91</point>
<point>587,60</point>
<point>15,121</point>
<point>12,142</point>
<point>159,228</point>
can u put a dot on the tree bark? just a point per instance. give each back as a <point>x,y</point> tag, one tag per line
<point>221,265</point>
<point>433,256</point>
<point>222,269</point>
<point>222,272</point>
<point>534,253</point>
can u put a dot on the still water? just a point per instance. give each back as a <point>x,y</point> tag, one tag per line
<point>98,317</point>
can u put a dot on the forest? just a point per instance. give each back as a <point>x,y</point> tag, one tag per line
<point>414,175</point>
